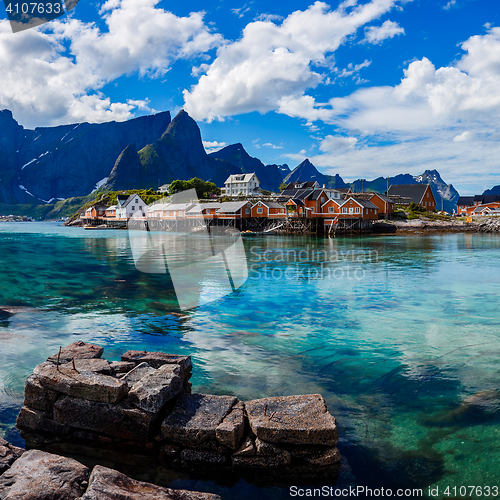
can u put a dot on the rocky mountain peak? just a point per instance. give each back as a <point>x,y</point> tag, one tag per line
<point>186,134</point>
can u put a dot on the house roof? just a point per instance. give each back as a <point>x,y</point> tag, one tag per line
<point>297,201</point>
<point>414,192</point>
<point>269,204</point>
<point>231,207</point>
<point>466,201</point>
<point>337,201</point>
<point>240,178</point>
<point>301,185</point>
<point>316,194</point>
<point>362,202</point>
<point>383,197</point>
<point>124,200</point>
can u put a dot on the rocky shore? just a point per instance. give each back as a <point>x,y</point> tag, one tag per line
<point>140,411</point>
<point>484,225</point>
<point>38,475</point>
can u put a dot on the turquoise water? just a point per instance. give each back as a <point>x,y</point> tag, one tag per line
<point>395,332</point>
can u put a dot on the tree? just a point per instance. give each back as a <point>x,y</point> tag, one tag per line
<point>203,188</point>
<point>282,187</point>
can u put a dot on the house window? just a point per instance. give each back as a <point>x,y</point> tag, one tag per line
<point>259,210</point>
<point>344,210</point>
<point>140,208</point>
<point>248,210</point>
<point>133,208</point>
<point>331,210</point>
<point>322,199</point>
<point>137,201</point>
<point>356,210</point>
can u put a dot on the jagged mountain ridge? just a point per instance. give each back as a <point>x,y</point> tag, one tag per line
<point>493,190</point>
<point>270,176</point>
<point>47,163</point>
<point>306,171</point>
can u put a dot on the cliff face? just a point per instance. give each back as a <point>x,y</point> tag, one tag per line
<point>47,163</point>
<point>177,154</point>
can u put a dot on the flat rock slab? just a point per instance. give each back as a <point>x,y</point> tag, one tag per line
<point>38,475</point>
<point>157,359</point>
<point>121,366</point>
<point>111,420</point>
<point>195,417</point>
<point>109,484</point>
<point>293,419</point>
<point>156,388</point>
<point>138,372</point>
<point>77,350</point>
<point>81,384</point>
<point>95,365</point>
<point>8,454</point>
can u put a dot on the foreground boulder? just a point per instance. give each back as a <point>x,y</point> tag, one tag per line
<point>8,454</point>
<point>37,475</point>
<point>43,476</point>
<point>109,484</point>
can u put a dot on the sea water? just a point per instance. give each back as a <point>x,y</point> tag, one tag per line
<point>398,333</point>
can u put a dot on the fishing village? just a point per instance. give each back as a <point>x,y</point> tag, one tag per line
<point>302,207</point>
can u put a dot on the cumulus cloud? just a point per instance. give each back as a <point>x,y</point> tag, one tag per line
<point>450,4</point>
<point>427,121</point>
<point>54,74</point>
<point>377,34</point>
<point>213,146</point>
<point>271,66</point>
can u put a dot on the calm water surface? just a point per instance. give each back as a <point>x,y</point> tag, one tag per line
<point>395,332</point>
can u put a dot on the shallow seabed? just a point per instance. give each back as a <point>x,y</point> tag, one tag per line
<point>399,334</point>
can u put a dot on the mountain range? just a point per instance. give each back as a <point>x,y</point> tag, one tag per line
<point>52,163</point>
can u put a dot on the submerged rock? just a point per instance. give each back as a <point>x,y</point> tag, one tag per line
<point>109,484</point>
<point>38,475</point>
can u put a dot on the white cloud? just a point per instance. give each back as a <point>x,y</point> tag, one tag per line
<point>465,136</point>
<point>273,146</point>
<point>54,74</point>
<point>377,34</point>
<point>269,17</point>
<point>450,4</point>
<point>213,146</point>
<point>271,66</point>
<point>427,121</point>
<point>333,143</point>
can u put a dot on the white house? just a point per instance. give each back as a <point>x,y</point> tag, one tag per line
<point>246,184</point>
<point>129,206</point>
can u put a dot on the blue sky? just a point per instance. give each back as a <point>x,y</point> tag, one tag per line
<point>362,88</point>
